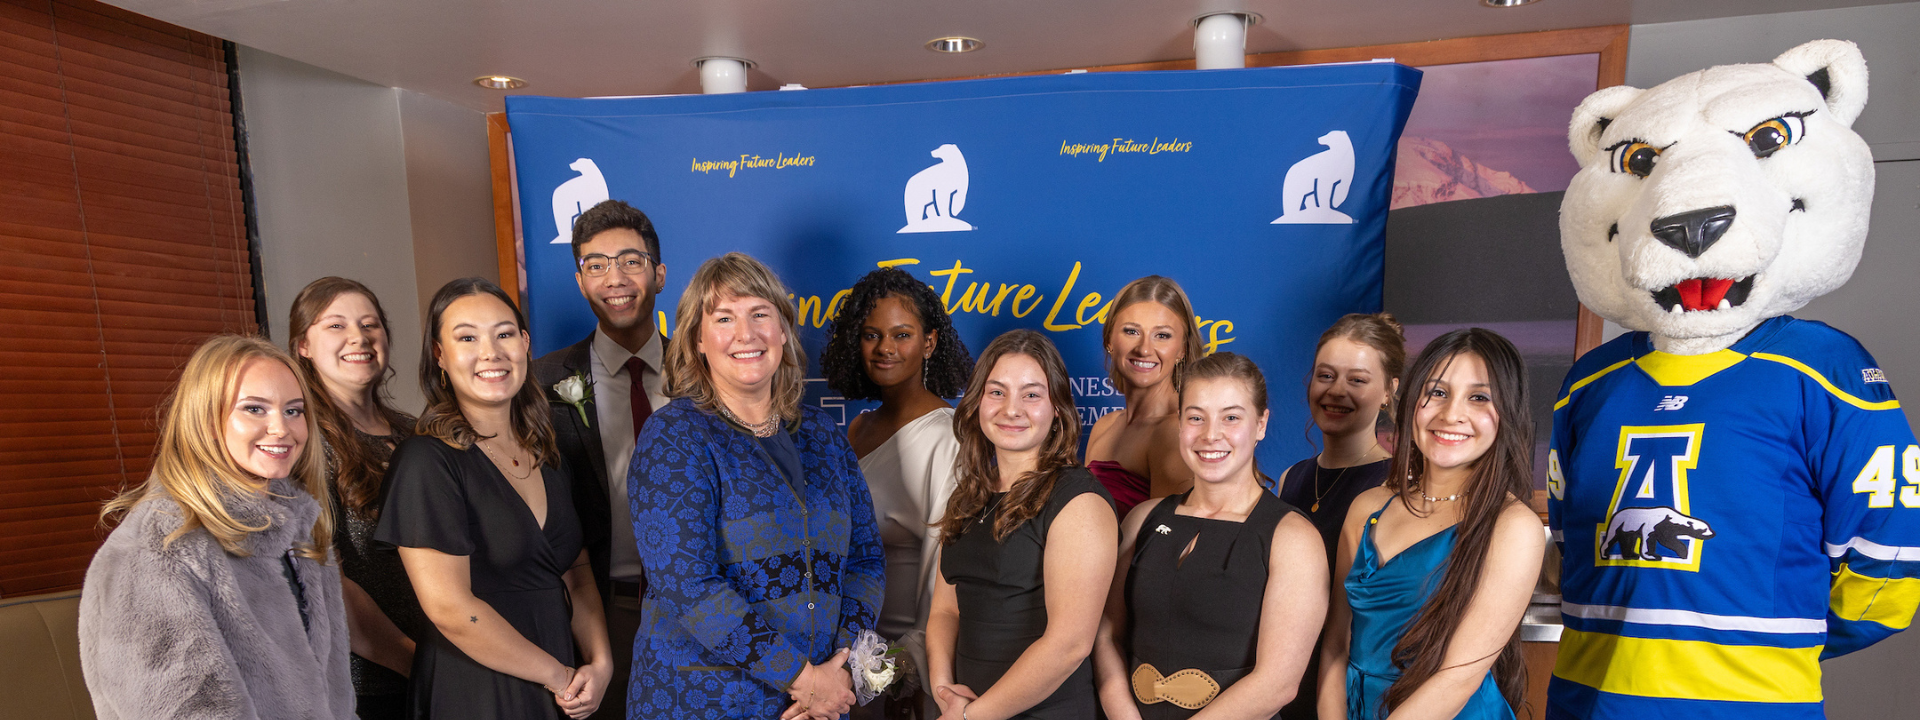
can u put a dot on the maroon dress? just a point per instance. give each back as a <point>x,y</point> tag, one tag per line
<point>1126,488</point>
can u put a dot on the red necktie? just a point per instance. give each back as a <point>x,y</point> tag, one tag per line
<point>639,403</point>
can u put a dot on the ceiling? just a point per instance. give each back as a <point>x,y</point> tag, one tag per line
<point>645,47</point>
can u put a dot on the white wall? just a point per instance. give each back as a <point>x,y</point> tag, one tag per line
<point>373,183</point>
<point>330,189</point>
<point>449,193</point>
<point>1878,305</point>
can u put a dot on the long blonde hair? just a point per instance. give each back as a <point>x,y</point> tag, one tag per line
<point>191,464</point>
<point>739,275</point>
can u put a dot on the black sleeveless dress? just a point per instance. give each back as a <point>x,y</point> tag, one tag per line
<point>1202,612</point>
<point>1001,591</point>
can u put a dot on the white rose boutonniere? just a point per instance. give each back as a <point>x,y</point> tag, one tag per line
<point>576,391</point>
<point>873,666</point>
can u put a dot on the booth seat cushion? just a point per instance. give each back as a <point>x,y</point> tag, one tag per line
<point>40,658</point>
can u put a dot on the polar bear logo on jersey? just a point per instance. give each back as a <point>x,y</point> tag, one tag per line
<point>935,195</point>
<point>574,196</point>
<point>1713,202</point>
<point>1318,184</point>
<point>1639,531</point>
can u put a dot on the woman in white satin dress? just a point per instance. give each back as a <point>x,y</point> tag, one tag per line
<point>893,342</point>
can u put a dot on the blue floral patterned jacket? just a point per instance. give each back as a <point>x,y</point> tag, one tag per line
<point>746,580</point>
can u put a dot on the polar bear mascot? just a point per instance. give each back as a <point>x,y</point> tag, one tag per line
<point>1785,479</point>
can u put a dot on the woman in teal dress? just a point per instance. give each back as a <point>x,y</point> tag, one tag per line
<point>1440,561</point>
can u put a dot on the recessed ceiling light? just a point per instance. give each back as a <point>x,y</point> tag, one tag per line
<point>954,44</point>
<point>499,82</point>
<point>1507,3</point>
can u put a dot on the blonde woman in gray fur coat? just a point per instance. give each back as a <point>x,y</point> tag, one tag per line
<point>215,597</point>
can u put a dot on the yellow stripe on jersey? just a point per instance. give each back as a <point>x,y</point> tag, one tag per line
<point>1583,382</point>
<point>1689,669</point>
<point>1670,370</point>
<point>1888,601</point>
<point>1837,392</point>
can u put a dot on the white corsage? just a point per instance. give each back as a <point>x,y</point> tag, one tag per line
<point>873,666</point>
<point>576,391</point>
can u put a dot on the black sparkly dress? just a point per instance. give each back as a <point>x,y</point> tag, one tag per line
<point>377,570</point>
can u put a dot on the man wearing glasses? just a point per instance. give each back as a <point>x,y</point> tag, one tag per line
<point>617,264</point>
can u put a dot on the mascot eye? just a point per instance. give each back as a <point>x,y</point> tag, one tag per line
<point>1635,157</point>
<point>1768,137</point>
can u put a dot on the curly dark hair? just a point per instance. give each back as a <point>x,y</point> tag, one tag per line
<point>947,371</point>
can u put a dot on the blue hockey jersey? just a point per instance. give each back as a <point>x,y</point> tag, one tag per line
<point>1726,521</point>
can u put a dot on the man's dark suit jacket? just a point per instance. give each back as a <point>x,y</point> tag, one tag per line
<point>581,447</point>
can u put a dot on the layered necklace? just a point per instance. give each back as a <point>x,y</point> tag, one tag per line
<point>502,464</point>
<point>760,429</point>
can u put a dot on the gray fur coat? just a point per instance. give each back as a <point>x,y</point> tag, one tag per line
<point>188,631</point>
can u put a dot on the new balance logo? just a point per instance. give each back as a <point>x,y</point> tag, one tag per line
<point>1671,402</point>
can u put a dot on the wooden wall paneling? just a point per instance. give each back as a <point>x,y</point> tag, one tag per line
<point>506,227</point>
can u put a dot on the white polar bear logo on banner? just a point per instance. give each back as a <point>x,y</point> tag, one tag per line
<point>575,196</point>
<point>935,195</point>
<point>1318,184</point>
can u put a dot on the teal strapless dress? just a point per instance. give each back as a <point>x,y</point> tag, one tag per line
<point>1384,599</point>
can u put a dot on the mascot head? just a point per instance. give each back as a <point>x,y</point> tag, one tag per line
<point>1716,200</point>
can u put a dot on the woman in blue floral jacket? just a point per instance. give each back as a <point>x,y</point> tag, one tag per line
<point>753,522</point>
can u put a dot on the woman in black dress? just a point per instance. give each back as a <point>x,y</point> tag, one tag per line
<point>1220,590</point>
<point>481,511</point>
<point>1355,379</point>
<point>339,341</point>
<point>1028,545</point>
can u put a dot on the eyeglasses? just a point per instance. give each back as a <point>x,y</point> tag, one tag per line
<point>631,262</point>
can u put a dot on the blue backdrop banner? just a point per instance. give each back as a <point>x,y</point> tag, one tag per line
<point>1262,191</point>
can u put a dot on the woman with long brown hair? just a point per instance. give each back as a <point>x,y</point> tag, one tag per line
<point>1440,561</point>
<point>339,342</point>
<point>479,505</point>
<point>1028,545</point>
<point>1149,336</point>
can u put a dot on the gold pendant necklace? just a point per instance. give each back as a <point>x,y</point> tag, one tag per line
<point>503,469</point>
<point>1318,495</point>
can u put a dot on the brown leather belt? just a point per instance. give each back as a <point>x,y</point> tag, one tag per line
<point>1191,689</point>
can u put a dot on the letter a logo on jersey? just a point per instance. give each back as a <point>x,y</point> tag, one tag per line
<point>1649,524</point>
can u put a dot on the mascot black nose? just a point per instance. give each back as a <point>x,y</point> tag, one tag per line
<point>1693,232</point>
